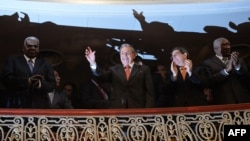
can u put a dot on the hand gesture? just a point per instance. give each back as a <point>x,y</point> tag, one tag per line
<point>174,69</point>
<point>90,55</point>
<point>34,80</point>
<point>188,65</point>
<point>138,16</point>
<point>235,59</point>
<point>37,77</point>
<point>229,65</point>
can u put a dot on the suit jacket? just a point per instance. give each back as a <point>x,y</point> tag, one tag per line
<point>136,92</point>
<point>91,97</point>
<point>162,90</point>
<point>188,91</point>
<point>60,101</point>
<point>15,76</point>
<point>229,89</point>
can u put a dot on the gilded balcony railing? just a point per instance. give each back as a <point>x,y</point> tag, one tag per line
<point>204,123</point>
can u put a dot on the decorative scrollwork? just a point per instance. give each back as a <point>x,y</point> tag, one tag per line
<point>165,127</point>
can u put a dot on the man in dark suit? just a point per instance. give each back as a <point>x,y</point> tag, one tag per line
<point>225,74</point>
<point>184,82</point>
<point>58,98</point>
<point>132,91</point>
<point>28,78</point>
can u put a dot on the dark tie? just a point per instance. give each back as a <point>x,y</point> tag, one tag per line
<point>31,65</point>
<point>183,72</point>
<point>127,71</point>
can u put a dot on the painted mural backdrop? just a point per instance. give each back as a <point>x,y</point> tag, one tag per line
<point>64,45</point>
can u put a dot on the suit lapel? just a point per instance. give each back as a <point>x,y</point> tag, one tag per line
<point>218,61</point>
<point>134,71</point>
<point>121,72</point>
<point>24,63</point>
<point>37,64</point>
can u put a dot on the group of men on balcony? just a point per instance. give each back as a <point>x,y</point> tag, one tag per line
<point>222,79</point>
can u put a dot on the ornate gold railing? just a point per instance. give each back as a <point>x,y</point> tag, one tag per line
<point>203,123</point>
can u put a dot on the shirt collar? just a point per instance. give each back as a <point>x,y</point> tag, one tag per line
<point>131,65</point>
<point>27,58</point>
<point>220,57</point>
<point>182,67</point>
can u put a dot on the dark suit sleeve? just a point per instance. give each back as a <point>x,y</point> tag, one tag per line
<point>150,102</point>
<point>11,77</point>
<point>49,83</point>
<point>91,97</point>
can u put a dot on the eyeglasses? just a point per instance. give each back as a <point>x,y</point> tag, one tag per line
<point>30,46</point>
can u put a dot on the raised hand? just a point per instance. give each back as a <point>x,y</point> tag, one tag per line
<point>188,65</point>
<point>90,55</point>
<point>174,69</point>
<point>138,16</point>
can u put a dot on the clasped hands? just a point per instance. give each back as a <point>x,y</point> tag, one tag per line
<point>233,62</point>
<point>35,80</point>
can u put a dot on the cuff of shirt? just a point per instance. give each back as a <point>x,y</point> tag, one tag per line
<point>237,68</point>
<point>93,67</point>
<point>224,72</point>
<point>173,78</point>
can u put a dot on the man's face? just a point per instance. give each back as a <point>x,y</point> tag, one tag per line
<point>31,48</point>
<point>58,78</point>
<point>225,48</point>
<point>179,57</point>
<point>127,55</point>
<point>68,89</point>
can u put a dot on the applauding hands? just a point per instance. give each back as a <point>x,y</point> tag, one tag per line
<point>35,80</point>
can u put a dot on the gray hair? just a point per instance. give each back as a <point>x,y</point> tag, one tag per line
<point>127,45</point>
<point>31,38</point>
<point>217,42</point>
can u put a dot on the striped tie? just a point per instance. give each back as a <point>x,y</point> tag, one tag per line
<point>225,60</point>
<point>31,65</point>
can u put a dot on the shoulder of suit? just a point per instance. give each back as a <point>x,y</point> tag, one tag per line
<point>116,66</point>
<point>15,57</point>
<point>209,59</point>
<point>143,67</point>
<point>42,59</point>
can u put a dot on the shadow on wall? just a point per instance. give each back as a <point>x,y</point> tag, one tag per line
<point>64,45</point>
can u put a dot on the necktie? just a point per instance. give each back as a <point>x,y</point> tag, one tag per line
<point>127,71</point>
<point>31,65</point>
<point>225,60</point>
<point>183,72</point>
